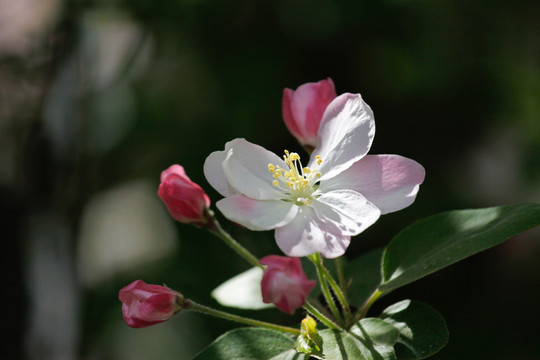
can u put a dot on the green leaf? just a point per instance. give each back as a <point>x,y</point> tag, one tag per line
<point>365,272</point>
<point>340,345</point>
<point>377,331</point>
<point>356,345</point>
<point>443,239</point>
<point>422,330</point>
<point>251,344</point>
<point>242,291</point>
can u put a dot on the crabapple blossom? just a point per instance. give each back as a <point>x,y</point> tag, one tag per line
<point>284,283</point>
<point>303,109</point>
<point>186,201</point>
<point>318,207</point>
<point>145,305</point>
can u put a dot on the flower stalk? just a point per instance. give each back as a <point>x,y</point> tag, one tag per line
<point>191,305</point>
<point>215,228</point>
<point>320,316</point>
<point>317,261</point>
<point>367,305</point>
<point>340,296</point>
<point>340,273</point>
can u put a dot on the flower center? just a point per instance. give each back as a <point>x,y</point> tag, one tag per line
<point>296,181</point>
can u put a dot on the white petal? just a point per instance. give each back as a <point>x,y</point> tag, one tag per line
<point>246,169</point>
<point>257,214</point>
<point>390,182</point>
<point>348,210</point>
<point>213,170</point>
<point>345,136</point>
<point>307,234</point>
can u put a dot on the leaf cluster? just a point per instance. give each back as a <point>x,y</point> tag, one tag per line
<point>408,329</point>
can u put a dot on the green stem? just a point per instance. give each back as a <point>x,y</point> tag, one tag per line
<point>340,295</point>
<point>191,305</point>
<point>215,228</point>
<point>317,261</point>
<point>365,308</point>
<point>341,273</point>
<point>320,316</point>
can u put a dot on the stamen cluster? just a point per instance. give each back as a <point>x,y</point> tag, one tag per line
<point>297,180</point>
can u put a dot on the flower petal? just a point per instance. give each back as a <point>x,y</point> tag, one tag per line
<point>213,170</point>
<point>257,214</point>
<point>307,234</point>
<point>390,182</point>
<point>246,169</point>
<point>348,210</point>
<point>345,135</point>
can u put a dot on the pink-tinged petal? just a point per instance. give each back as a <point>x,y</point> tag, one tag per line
<point>213,170</point>
<point>390,182</point>
<point>285,283</point>
<point>246,169</point>
<point>307,234</point>
<point>348,210</point>
<point>177,170</point>
<point>257,214</point>
<point>288,116</point>
<point>158,307</point>
<point>345,135</point>
<point>303,109</point>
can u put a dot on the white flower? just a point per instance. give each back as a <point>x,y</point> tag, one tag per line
<point>319,207</point>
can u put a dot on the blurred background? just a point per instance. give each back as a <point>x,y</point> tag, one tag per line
<point>98,97</point>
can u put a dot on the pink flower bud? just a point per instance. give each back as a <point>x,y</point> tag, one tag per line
<point>144,305</point>
<point>186,201</point>
<point>303,109</point>
<point>285,283</point>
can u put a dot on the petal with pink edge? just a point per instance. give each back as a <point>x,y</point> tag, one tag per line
<point>345,135</point>
<point>390,182</point>
<point>307,234</point>
<point>257,214</point>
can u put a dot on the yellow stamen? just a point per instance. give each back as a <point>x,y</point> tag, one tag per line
<point>299,181</point>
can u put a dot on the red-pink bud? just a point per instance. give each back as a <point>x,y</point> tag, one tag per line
<point>284,283</point>
<point>185,200</point>
<point>303,109</point>
<point>144,305</point>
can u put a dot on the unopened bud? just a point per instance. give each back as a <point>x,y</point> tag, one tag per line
<point>186,201</point>
<point>309,341</point>
<point>303,109</point>
<point>145,304</point>
<point>285,283</point>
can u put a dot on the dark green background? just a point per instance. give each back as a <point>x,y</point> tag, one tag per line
<point>454,85</point>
